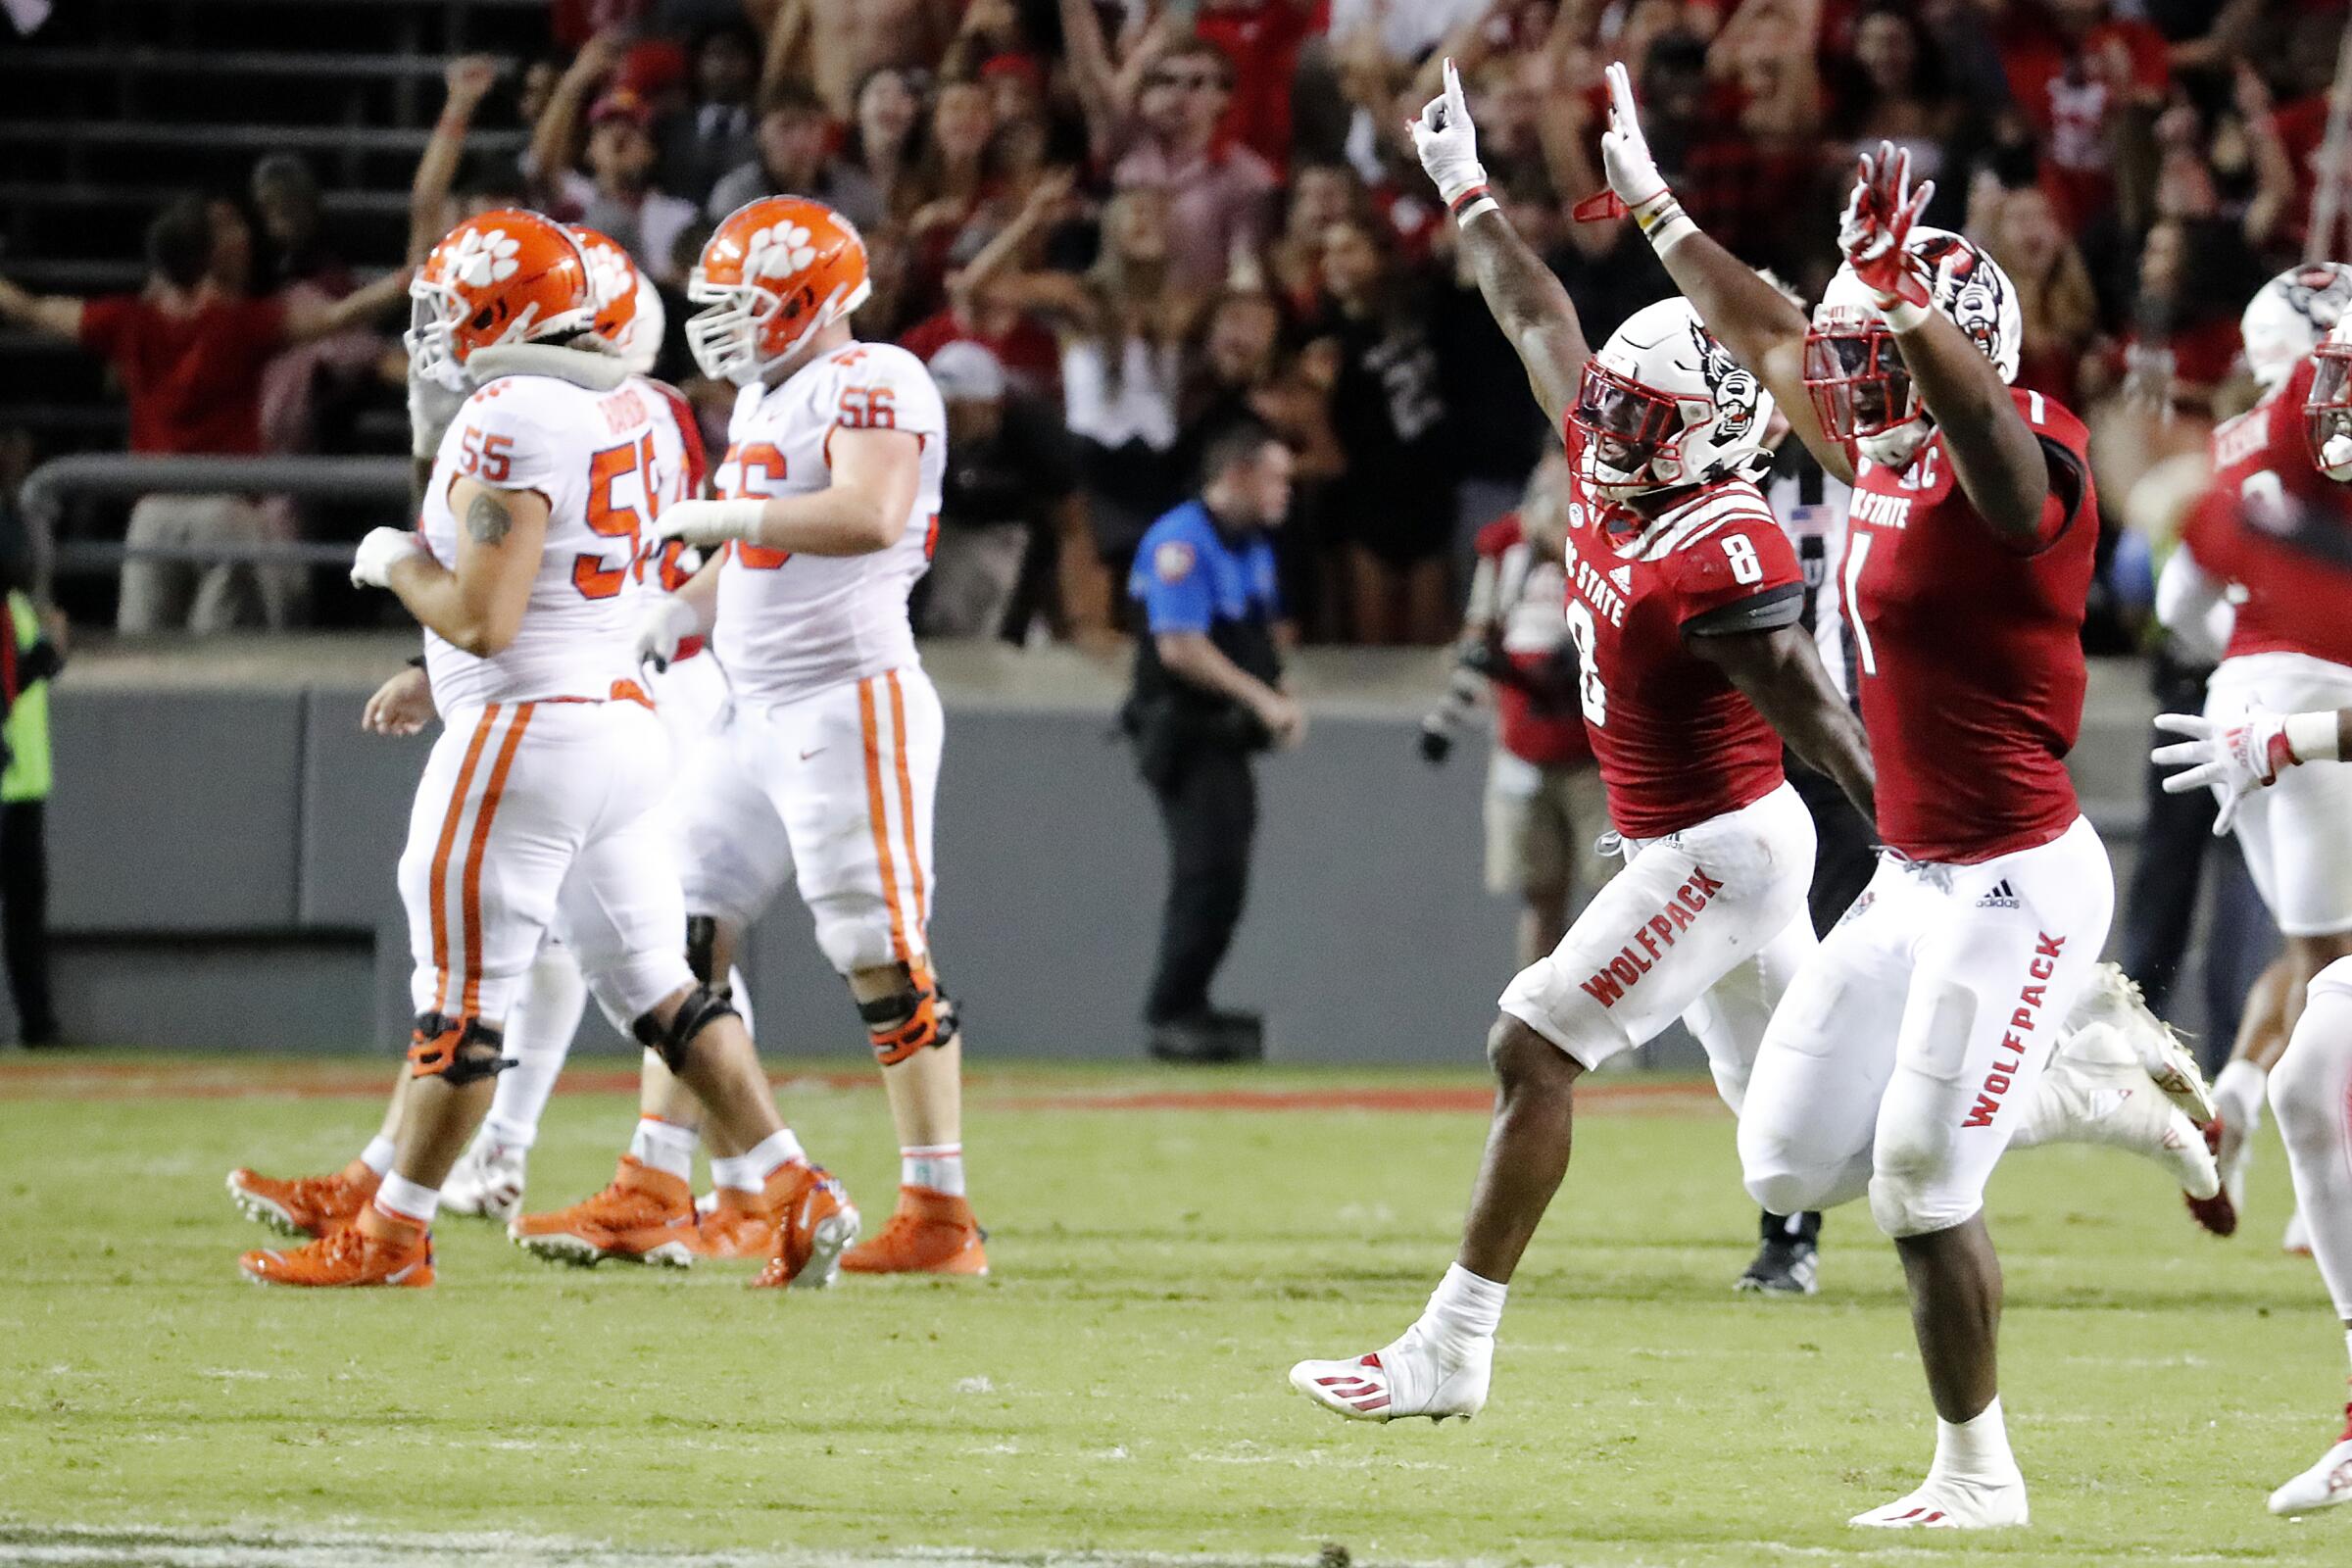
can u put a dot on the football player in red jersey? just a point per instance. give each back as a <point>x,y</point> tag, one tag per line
<point>1909,1049</point>
<point>1684,601</point>
<point>2250,754</point>
<point>2270,522</point>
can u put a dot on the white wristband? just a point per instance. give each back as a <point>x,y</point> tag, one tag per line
<point>1904,317</point>
<point>2314,737</point>
<point>1483,204</point>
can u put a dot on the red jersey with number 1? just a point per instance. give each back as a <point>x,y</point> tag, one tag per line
<point>1676,742</point>
<point>1969,649</point>
<point>2278,527</point>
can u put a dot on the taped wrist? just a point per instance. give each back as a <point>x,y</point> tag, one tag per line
<point>457,1050</point>
<point>1471,200</point>
<point>673,1040</point>
<point>2311,737</point>
<point>916,1015</point>
<point>1662,221</point>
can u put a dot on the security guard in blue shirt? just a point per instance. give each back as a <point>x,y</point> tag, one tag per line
<point>1207,696</point>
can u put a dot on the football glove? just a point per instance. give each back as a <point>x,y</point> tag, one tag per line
<point>384,548</point>
<point>1447,141</point>
<point>1878,218</point>
<point>2231,760</point>
<point>667,622</point>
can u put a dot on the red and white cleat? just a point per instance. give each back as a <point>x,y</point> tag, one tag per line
<point>1944,1502</point>
<point>2218,1213</point>
<point>2112,998</point>
<point>1412,1377</point>
<point>2324,1484</point>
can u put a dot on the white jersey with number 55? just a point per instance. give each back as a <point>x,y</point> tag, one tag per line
<point>792,624</point>
<point>600,459</point>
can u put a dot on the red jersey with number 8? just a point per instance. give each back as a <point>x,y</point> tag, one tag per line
<point>1969,649</point>
<point>2278,528</point>
<point>1676,741</point>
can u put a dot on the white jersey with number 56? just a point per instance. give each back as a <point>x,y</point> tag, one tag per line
<point>600,458</point>
<point>792,624</point>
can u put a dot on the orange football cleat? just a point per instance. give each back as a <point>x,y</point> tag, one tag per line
<point>737,1224</point>
<point>929,1233</point>
<point>372,1249</point>
<point>307,1205</point>
<point>645,1216</point>
<point>815,1223</point>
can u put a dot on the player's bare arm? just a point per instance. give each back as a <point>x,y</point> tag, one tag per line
<point>1746,312</point>
<point>1996,455</point>
<point>876,472</point>
<point>477,605</point>
<point>1528,303</point>
<point>1780,671</point>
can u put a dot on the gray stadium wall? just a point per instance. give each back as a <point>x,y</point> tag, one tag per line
<point>222,841</point>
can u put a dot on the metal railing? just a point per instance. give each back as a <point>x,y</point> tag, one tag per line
<point>46,490</point>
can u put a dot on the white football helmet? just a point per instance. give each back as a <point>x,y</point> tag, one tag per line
<point>2289,315</point>
<point>2327,406</point>
<point>1662,404</point>
<point>1861,389</point>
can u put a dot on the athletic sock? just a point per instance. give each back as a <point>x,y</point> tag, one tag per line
<point>735,1173</point>
<point>1976,1450</point>
<point>665,1147</point>
<point>938,1166</point>
<point>539,1034</point>
<point>1463,1310</point>
<point>377,1156</point>
<point>407,1200</point>
<point>772,1153</point>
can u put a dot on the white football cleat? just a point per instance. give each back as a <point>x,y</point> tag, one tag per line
<point>1412,1377</point>
<point>2296,1241</point>
<point>2324,1484</point>
<point>1944,1502</point>
<point>2112,998</point>
<point>487,1180</point>
<point>2095,1090</point>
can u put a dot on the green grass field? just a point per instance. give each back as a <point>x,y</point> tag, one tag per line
<point>1117,1387</point>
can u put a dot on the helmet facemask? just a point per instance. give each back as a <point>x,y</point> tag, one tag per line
<point>2328,410</point>
<point>1861,389</point>
<point>1631,434</point>
<point>725,338</point>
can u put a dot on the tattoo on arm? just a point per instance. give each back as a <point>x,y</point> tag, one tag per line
<point>487,521</point>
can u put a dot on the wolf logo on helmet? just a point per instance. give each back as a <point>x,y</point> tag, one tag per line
<point>2287,317</point>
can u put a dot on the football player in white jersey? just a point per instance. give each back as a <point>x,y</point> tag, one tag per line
<point>536,808</point>
<point>827,761</point>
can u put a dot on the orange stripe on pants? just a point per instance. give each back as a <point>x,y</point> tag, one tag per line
<point>914,862</point>
<point>472,890</point>
<point>877,815</point>
<point>438,884</point>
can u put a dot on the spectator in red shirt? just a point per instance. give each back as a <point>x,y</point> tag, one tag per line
<point>190,355</point>
<point>1261,38</point>
<point>2086,81</point>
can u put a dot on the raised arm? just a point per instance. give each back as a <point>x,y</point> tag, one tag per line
<point>469,79</point>
<point>1741,307</point>
<point>557,139</point>
<point>57,315</point>
<point>307,318</point>
<point>1093,75</point>
<point>1528,303</point>
<point>1995,455</point>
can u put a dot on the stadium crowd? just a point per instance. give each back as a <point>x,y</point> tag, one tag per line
<point>1148,220</point>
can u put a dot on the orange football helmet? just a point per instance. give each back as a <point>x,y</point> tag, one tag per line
<point>630,318</point>
<point>774,272</point>
<point>503,277</point>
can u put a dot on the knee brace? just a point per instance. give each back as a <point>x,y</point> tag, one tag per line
<point>915,1016</point>
<point>702,946</point>
<point>701,1009</point>
<point>457,1050</point>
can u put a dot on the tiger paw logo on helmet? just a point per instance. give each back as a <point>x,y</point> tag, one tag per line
<point>781,251</point>
<point>484,257</point>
